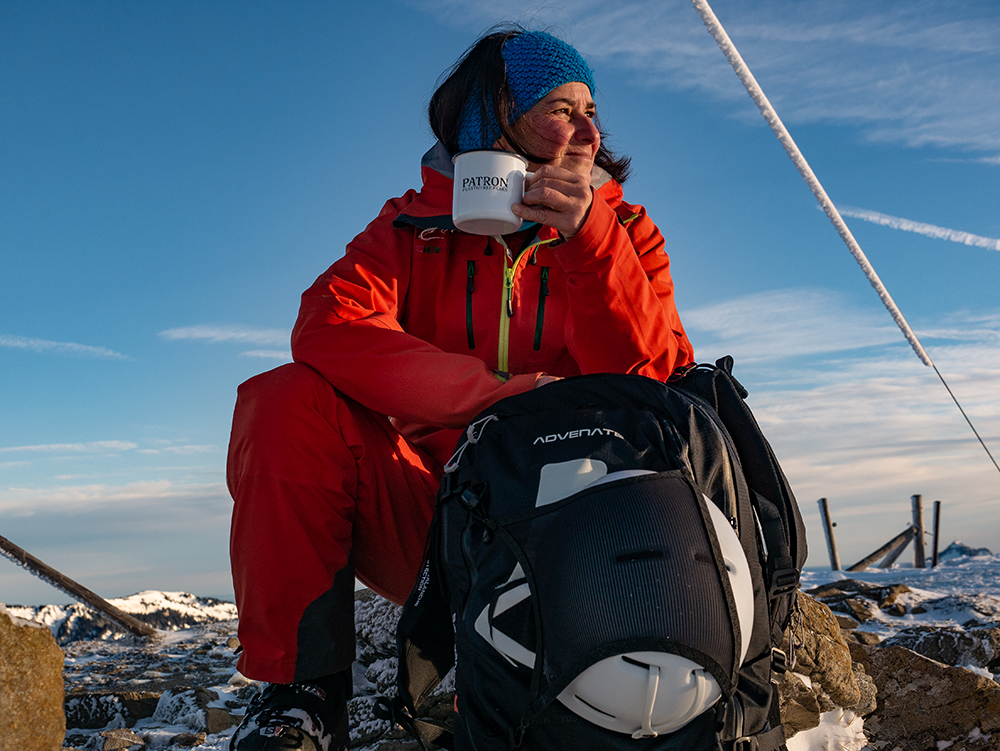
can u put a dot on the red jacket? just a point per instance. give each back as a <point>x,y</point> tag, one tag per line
<point>431,325</point>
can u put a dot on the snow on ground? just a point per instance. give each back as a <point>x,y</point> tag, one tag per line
<point>978,574</point>
<point>196,635</point>
<point>959,589</point>
<point>840,730</point>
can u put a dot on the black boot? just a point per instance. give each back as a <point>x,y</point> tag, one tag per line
<point>311,716</point>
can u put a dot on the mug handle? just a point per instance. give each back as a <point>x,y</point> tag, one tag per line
<point>524,183</point>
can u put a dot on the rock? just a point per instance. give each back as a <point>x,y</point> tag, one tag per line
<point>978,647</point>
<point>825,675</point>
<point>366,728</point>
<point>375,621</point>
<point>187,739</point>
<point>861,608</point>
<point>895,609</point>
<point>798,703</point>
<point>119,739</point>
<point>218,719</point>
<point>921,701</point>
<point>867,637</point>
<point>859,654</point>
<point>846,623</point>
<point>866,687</point>
<point>192,708</point>
<point>31,686</point>
<point>890,596</point>
<point>96,710</point>
<point>976,742</point>
<point>823,655</point>
<point>851,595</point>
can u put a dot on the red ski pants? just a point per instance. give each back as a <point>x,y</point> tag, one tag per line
<point>323,487</point>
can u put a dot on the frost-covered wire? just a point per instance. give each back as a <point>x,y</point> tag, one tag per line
<point>771,116</point>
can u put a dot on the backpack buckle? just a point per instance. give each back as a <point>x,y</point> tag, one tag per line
<point>779,661</point>
<point>783,581</point>
<point>746,743</point>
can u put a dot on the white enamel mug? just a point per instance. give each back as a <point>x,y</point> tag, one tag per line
<point>488,183</point>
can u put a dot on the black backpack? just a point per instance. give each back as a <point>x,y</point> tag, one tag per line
<point>530,581</point>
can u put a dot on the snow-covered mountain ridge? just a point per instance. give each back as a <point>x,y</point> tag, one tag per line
<point>164,611</point>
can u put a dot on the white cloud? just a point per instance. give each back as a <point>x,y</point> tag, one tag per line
<point>788,323</point>
<point>930,230</point>
<point>85,448</point>
<point>269,354</point>
<point>28,501</point>
<point>179,450</point>
<point>904,71</point>
<point>215,334</point>
<point>59,348</point>
<point>854,417</point>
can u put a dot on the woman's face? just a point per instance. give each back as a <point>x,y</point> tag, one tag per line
<point>560,129</point>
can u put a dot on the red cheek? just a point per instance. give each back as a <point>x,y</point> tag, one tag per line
<point>551,135</point>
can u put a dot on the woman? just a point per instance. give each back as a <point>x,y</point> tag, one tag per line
<point>427,326</point>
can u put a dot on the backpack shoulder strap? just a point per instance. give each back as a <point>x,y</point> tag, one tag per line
<point>425,644</point>
<point>778,512</point>
<point>425,639</point>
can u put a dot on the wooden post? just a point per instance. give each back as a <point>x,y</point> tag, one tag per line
<point>831,543</point>
<point>919,560</point>
<point>937,532</point>
<point>73,589</point>
<point>894,554</point>
<point>901,539</point>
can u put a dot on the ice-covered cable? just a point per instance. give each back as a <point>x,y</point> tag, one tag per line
<point>771,116</point>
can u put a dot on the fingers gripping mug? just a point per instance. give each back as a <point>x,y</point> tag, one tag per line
<point>487,184</point>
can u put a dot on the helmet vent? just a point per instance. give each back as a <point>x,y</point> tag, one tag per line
<point>596,709</point>
<point>633,661</point>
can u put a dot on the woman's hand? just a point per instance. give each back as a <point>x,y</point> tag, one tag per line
<point>558,198</point>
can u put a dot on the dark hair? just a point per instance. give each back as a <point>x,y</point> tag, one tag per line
<point>481,73</point>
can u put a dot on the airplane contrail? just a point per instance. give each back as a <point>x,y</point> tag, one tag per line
<point>930,230</point>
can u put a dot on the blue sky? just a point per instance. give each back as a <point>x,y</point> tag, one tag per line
<point>174,174</point>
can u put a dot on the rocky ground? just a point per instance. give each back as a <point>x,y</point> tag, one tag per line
<point>181,689</point>
<point>915,667</point>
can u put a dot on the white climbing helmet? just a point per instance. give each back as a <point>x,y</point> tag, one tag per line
<point>649,693</point>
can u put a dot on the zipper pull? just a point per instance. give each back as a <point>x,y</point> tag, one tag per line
<point>508,284</point>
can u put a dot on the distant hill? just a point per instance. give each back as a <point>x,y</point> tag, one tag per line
<point>165,611</point>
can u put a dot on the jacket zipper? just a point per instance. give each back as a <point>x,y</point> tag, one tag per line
<point>506,308</point>
<point>543,292</point>
<point>468,305</point>
<point>507,301</point>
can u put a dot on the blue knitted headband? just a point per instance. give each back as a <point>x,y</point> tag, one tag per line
<point>536,63</point>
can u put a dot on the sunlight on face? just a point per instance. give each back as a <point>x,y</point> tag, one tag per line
<point>560,129</point>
